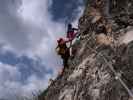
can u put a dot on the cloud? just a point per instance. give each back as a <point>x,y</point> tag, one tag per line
<point>11,86</point>
<point>27,29</point>
<point>29,24</point>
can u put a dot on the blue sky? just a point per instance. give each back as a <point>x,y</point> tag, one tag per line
<point>28,33</point>
<point>65,10</point>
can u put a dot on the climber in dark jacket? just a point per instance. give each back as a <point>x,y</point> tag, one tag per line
<point>71,32</point>
<point>63,51</point>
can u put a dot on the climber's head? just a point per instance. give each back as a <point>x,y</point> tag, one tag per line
<point>69,25</point>
<point>60,40</point>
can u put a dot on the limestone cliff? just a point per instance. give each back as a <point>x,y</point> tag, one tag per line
<point>102,68</point>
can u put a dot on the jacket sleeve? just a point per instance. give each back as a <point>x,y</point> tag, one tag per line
<point>76,29</point>
<point>67,40</point>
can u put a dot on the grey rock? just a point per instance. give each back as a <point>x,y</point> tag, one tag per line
<point>89,77</point>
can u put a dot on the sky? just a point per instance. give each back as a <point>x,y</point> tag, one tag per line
<point>28,33</point>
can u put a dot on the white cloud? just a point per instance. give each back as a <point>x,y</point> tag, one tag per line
<point>8,72</point>
<point>80,9</point>
<point>30,31</point>
<point>29,25</point>
<point>10,86</point>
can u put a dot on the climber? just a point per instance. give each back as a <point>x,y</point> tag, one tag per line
<point>63,51</point>
<point>71,34</point>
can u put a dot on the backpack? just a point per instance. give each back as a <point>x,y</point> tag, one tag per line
<point>61,49</point>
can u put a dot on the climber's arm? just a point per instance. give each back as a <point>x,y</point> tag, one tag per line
<point>75,29</point>
<point>67,40</point>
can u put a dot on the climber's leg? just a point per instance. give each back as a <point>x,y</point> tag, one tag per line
<point>65,58</point>
<point>65,63</point>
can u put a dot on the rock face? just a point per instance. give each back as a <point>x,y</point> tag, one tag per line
<point>102,68</point>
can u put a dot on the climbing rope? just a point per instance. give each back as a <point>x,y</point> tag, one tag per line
<point>115,73</point>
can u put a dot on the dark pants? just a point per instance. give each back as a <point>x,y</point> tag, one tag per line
<point>65,58</point>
